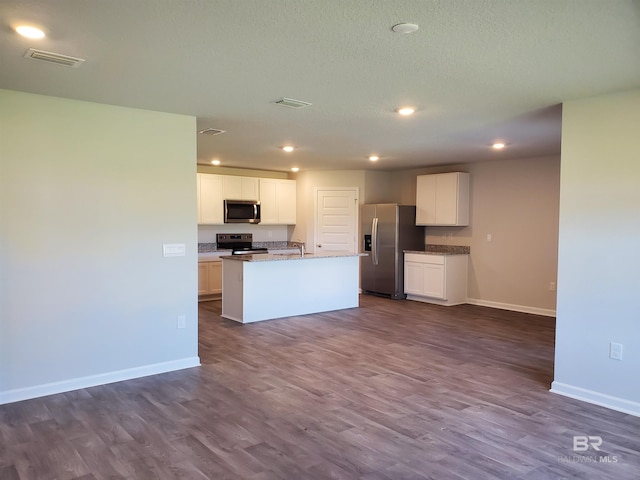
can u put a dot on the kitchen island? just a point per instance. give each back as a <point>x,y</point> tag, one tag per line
<point>264,286</point>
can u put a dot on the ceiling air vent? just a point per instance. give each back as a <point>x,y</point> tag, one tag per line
<point>291,103</point>
<point>56,58</point>
<point>211,131</point>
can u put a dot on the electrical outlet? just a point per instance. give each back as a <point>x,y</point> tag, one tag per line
<point>552,286</point>
<point>182,321</point>
<point>489,237</point>
<point>615,351</point>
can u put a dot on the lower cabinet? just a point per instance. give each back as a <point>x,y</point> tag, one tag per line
<point>209,280</point>
<point>440,279</point>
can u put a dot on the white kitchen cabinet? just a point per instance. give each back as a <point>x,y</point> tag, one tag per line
<point>210,278</point>
<point>277,197</point>
<point>442,199</point>
<point>210,205</point>
<point>240,188</point>
<point>213,189</point>
<point>277,201</point>
<point>440,279</point>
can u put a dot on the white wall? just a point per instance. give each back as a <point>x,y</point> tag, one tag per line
<point>598,251</point>
<point>88,195</point>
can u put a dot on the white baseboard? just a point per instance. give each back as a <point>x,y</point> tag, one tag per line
<point>36,391</point>
<point>597,398</point>
<point>444,303</point>
<point>515,308</point>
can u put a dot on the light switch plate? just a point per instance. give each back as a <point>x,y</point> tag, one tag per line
<point>615,351</point>
<point>174,249</point>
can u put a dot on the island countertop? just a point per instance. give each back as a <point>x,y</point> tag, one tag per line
<point>268,257</point>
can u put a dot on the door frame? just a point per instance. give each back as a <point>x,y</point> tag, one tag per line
<point>356,191</point>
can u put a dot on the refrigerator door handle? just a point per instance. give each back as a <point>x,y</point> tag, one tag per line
<point>374,240</point>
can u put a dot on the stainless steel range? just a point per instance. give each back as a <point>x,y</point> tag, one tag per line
<point>238,243</point>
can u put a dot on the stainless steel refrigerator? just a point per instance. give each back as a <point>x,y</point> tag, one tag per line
<point>386,230</point>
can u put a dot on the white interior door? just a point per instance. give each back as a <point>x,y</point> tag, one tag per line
<point>336,219</point>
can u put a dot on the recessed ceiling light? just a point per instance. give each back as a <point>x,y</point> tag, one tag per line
<point>498,146</point>
<point>405,28</point>
<point>294,169</point>
<point>374,158</point>
<point>288,148</point>
<point>215,162</point>
<point>29,31</point>
<point>406,111</point>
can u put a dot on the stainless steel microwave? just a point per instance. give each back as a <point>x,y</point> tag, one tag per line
<point>241,211</point>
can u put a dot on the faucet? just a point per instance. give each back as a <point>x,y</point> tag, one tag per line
<point>301,247</point>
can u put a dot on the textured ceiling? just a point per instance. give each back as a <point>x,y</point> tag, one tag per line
<point>476,70</point>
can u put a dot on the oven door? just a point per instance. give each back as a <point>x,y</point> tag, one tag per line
<point>241,211</point>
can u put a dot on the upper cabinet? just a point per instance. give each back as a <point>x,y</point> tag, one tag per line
<point>443,199</point>
<point>277,197</point>
<point>240,188</point>
<point>210,210</point>
<point>277,201</point>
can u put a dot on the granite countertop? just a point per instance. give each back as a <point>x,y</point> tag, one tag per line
<point>213,248</point>
<point>266,257</point>
<point>442,250</point>
<point>208,252</point>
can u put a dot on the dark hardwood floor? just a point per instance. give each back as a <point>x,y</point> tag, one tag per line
<point>390,390</point>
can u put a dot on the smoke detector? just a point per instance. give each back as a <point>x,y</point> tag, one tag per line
<point>52,57</point>
<point>211,131</point>
<point>291,103</point>
<point>405,28</point>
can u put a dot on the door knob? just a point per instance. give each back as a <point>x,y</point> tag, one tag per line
<point>319,246</point>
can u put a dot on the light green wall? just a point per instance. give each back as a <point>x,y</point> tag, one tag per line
<point>88,195</point>
<point>598,251</point>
